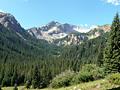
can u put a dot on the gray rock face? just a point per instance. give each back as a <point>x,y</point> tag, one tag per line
<point>52,31</point>
<point>9,21</point>
<point>66,34</point>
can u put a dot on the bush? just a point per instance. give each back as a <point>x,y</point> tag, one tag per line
<point>94,70</point>
<point>114,78</point>
<point>62,79</point>
<point>89,72</point>
<point>82,77</point>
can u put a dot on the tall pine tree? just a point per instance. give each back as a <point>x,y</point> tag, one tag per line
<point>36,78</point>
<point>112,51</point>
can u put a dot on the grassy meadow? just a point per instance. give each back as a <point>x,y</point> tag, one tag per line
<point>95,85</point>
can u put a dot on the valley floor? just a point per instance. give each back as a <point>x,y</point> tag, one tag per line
<point>95,85</point>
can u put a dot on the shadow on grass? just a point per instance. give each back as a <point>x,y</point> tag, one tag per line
<point>115,88</point>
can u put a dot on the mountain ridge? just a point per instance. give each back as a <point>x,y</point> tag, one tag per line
<point>54,32</point>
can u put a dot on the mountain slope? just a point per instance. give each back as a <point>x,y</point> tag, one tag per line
<point>66,34</point>
<point>9,22</point>
<point>11,43</point>
<point>55,30</point>
<point>20,52</point>
<point>15,41</point>
<point>78,38</point>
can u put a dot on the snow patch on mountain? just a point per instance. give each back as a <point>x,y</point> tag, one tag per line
<point>67,34</point>
<point>84,28</point>
<point>55,30</point>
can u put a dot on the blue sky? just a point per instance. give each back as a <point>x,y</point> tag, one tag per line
<point>32,13</point>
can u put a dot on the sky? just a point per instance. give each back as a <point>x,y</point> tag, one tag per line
<point>35,13</point>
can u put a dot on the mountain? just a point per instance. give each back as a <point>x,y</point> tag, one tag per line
<point>9,22</point>
<point>100,30</point>
<point>67,34</point>
<point>55,30</point>
<point>52,31</point>
<point>16,42</point>
<point>22,51</point>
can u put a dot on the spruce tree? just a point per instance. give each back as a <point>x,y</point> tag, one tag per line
<point>36,78</point>
<point>14,78</point>
<point>112,51</point>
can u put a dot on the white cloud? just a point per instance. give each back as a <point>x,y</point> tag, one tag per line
<point>114,2</point>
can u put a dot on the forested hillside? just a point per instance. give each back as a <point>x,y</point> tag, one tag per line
<point>25,60</point>
<point>20,56</point>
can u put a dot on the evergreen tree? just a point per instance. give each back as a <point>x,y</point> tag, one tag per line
<point>14,78</point>
<point>112,51</point>
<point>100,55</point>
<point>36,78</point>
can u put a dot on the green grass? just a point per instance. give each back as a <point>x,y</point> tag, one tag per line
<point>95,85</point>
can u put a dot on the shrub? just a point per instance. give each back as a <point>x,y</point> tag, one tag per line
<point>82,77</point>
<point>88,72</point>
<point>94,70</point>
<point>114,78</point>
<point>62,79</point>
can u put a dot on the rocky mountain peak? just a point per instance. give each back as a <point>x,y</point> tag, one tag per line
<point>65,33</point>
<point>53,23</point>
<point>9,21</point>
<point>105,28</point>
